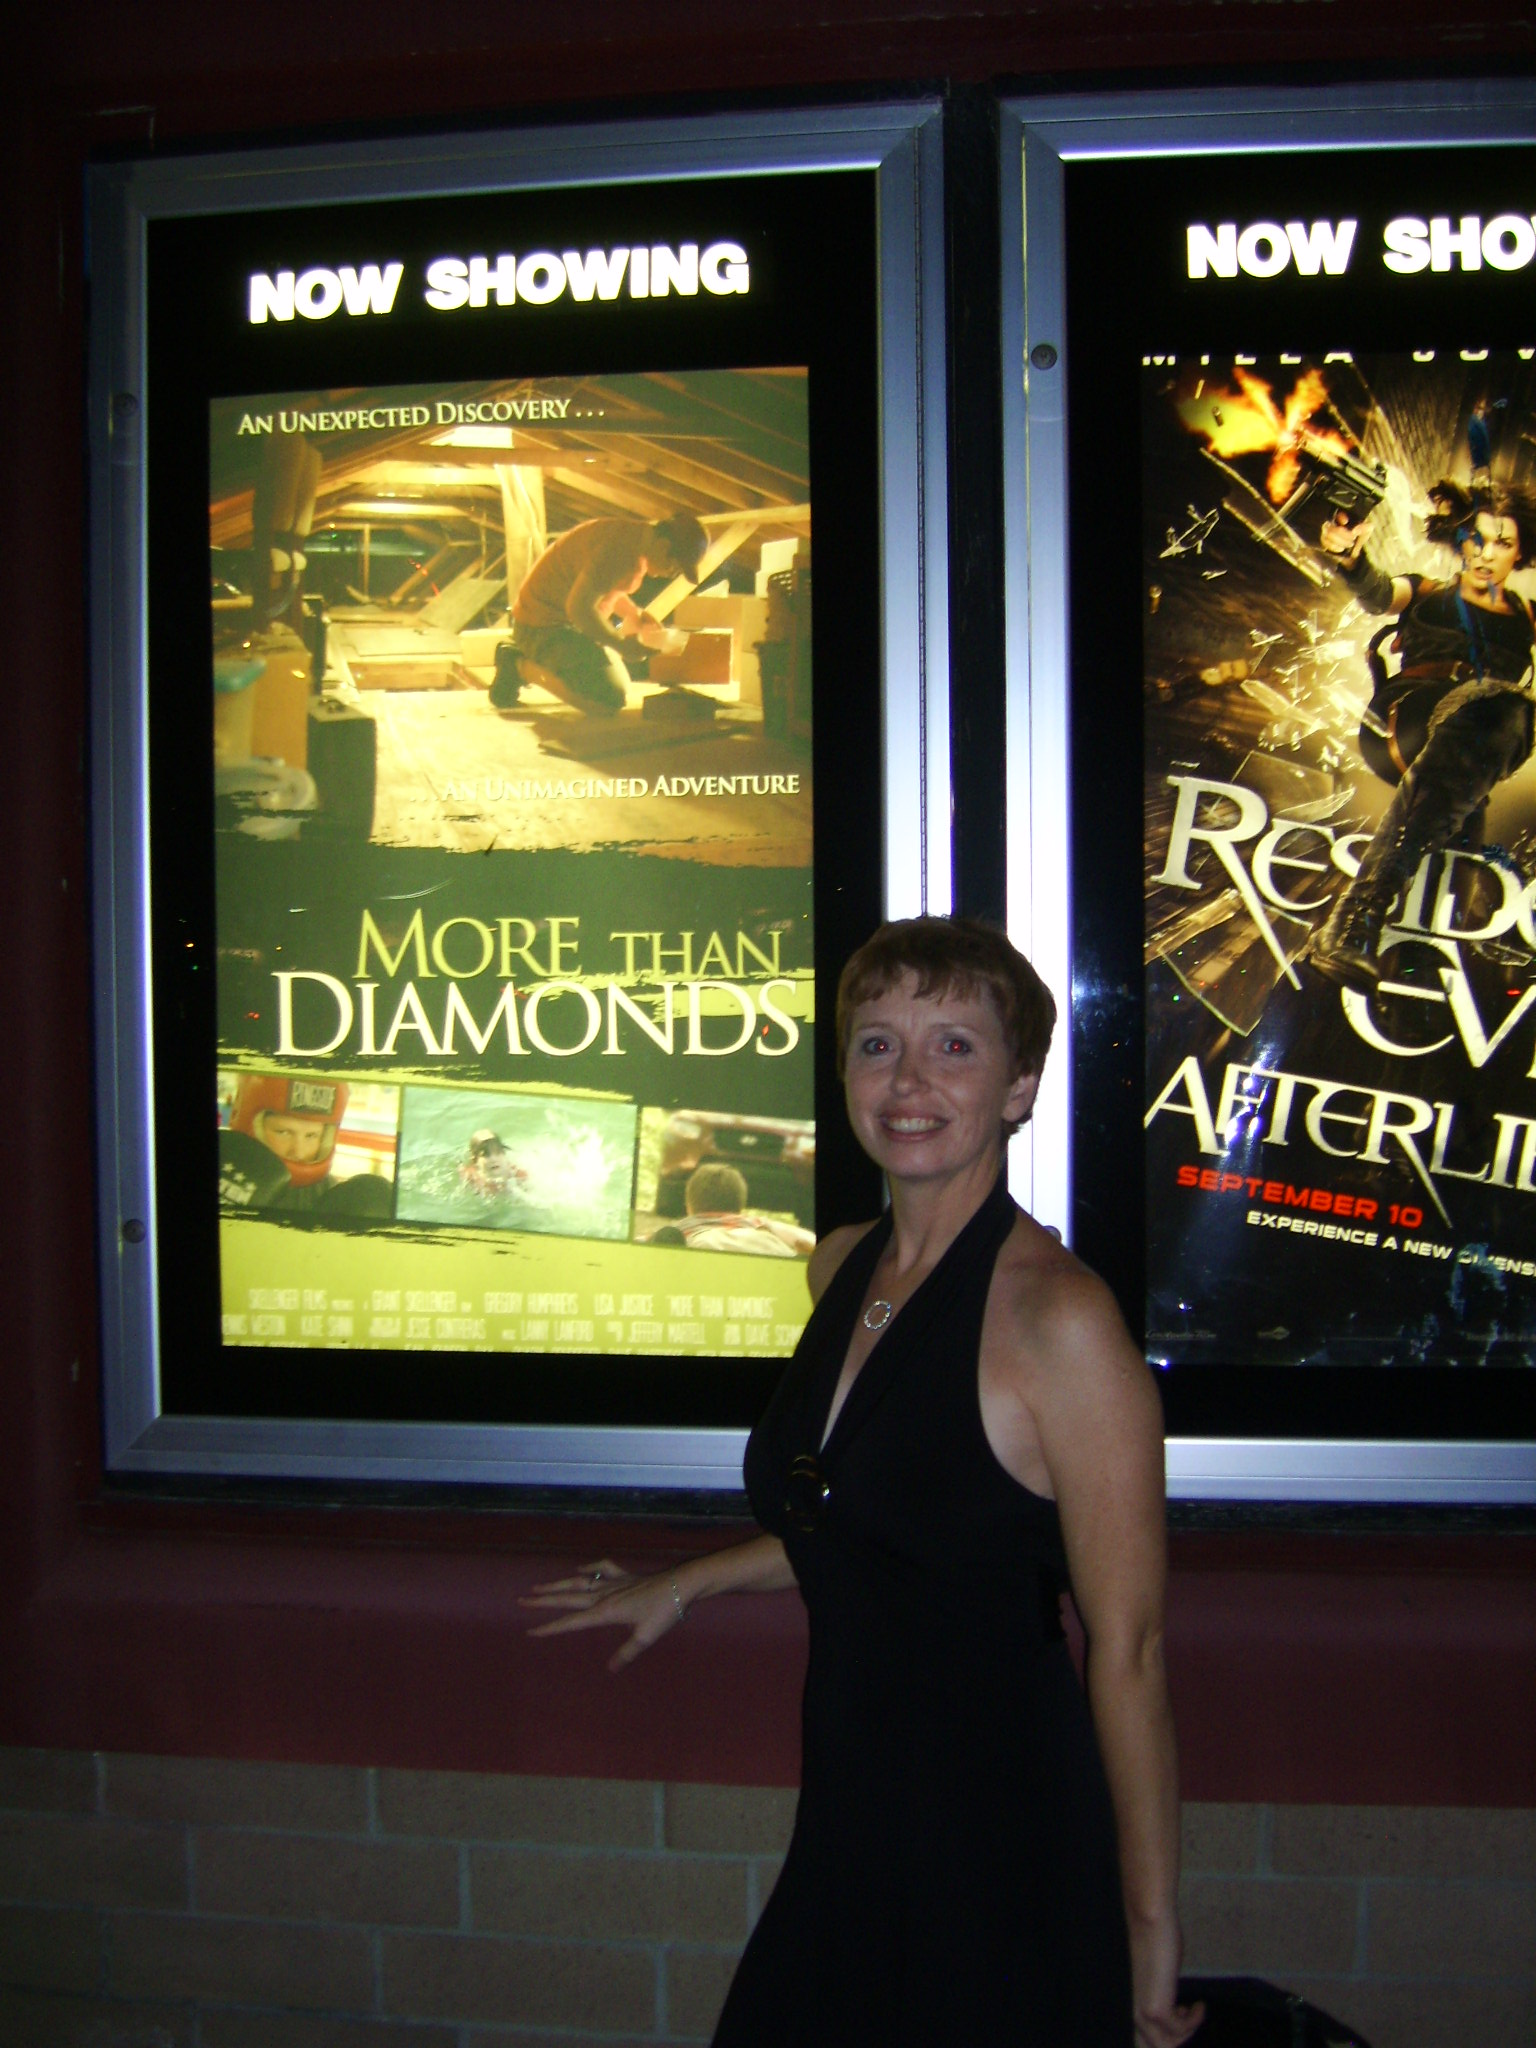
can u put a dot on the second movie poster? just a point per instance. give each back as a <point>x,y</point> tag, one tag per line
<point>1339,562</point>
<point>513,791</point>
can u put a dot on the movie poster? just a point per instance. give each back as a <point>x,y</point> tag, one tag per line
<point>512,771</point>
<point>1340,858</point>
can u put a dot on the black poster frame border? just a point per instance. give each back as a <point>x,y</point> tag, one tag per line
<point>1304,1434</point>
<point>906,870</point>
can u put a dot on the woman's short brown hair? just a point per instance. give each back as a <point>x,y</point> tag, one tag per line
<point>952,955</point>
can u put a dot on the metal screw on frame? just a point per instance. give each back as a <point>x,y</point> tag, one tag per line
<point>1043,356</point>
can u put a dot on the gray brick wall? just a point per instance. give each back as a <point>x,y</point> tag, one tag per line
<point>152,1902</point>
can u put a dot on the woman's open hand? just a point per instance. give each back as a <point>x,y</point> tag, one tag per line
<point>604,1595</point>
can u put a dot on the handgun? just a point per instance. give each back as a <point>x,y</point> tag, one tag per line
<point>1350,484</point>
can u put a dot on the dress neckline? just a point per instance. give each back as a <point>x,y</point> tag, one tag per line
<point>986,1229</point>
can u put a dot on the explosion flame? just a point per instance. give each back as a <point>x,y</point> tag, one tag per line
<point>1247,421</point>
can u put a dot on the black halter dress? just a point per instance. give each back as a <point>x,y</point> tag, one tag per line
<point>952,1880</point>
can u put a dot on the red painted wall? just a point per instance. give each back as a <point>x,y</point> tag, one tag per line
<point>1353,1669</point>
<point>1346,1667</point>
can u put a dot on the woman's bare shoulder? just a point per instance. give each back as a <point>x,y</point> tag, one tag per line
<point>1054,1308</point>
<point>830,1254</point>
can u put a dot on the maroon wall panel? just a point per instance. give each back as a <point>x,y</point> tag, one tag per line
<point>1346,1670</point>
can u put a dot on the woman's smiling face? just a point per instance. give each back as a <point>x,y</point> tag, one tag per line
<point>931,1082</point>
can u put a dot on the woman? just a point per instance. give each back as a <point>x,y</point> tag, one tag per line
<point>1456,717</point>
<point>965,1425</point>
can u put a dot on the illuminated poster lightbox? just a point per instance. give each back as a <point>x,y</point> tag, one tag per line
<point>515,944</point>
<point>1291,433</point>
<point>485,799</point>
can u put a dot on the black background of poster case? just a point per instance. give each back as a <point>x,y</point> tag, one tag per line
<point>811,240</point>
<point>1128,294</point>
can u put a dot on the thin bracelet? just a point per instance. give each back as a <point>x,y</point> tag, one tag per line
<point>682,1612</point>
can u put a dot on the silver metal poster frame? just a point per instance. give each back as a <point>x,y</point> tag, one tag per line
<point>902,145</point>
<point>1039,138</point>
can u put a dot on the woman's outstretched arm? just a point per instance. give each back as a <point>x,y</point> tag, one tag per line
<point>604,1595</point>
